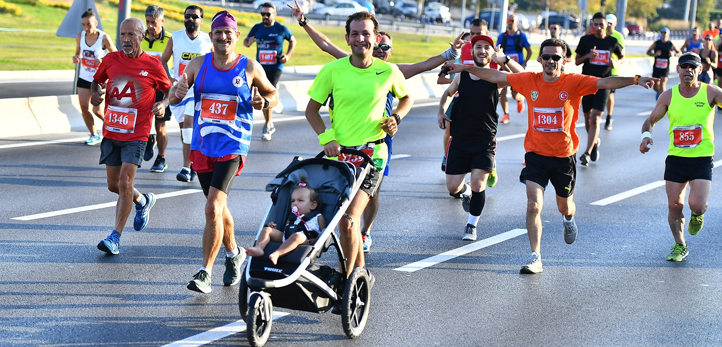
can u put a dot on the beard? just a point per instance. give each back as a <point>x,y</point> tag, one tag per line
<point>127,48</point>
<point>191,27</point>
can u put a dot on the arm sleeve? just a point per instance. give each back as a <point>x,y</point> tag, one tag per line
<point>322,86</point>
<point>398,88</point>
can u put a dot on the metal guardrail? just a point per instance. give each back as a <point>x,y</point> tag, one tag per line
<point>391,24</point>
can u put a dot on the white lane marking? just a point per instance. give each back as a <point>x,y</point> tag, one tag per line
<point>644,113</point>
<point>99,206</point>
<point>40,143</point>
<point>431,261</point>
<point>399,156</point>
<point>214,334</point>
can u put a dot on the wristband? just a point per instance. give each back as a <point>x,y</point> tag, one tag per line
<point>636,77</point>
<point>303,22</point>
<point>507,60</point>
<point>450,54</point>
<point>646,134</point>
<point>326,137</point>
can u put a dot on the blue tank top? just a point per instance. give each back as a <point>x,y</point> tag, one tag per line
<point>223,117</point>
<point>694,47</point>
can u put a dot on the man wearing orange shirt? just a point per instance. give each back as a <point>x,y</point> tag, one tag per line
<point>551,140</point>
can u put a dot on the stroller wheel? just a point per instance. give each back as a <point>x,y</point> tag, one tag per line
<point>243,296</point>
<point>356,303</point>
<point>259,320</point>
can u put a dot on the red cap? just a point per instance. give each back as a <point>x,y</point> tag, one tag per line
<point>482,37</point>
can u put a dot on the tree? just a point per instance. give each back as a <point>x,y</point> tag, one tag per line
<point>704,7</point>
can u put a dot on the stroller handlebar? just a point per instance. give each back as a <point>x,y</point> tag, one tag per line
<point>361,154</point>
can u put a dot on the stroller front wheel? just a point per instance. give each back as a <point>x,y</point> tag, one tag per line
<point>260,318</point>
<point>356,303</point>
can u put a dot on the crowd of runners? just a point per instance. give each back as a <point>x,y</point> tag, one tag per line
<point>212,91</point>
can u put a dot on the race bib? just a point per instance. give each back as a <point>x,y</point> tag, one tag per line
<point>661,63</point>
<point>218,108</point>
<point>687,136</point>
<point>513,56</point>
<point>156,55</point>
<point>694,50</point>
<point>548,120</point>
<point>267,57</point>
<point>468,62</point>
<point>120,119</point>
<point>88,60</point>
<point>354,159</point>
<point>181,68</point>
<point>601,59</point>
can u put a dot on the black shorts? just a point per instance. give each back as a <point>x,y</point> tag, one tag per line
<point>462,156</point>
<point>222,175</point>
<point>718,72</point>
<point>611,91</point>
<point>273,75</point>
<point>659,73</point>
<point>115,153</point>
<point>597,101</point>
<point>167,114</point>
<point>83,83</point>
<point>682,169</point>
<point>562,172</point>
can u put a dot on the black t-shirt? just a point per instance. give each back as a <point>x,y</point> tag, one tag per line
<point>599,66</point>
<point>474,117</point>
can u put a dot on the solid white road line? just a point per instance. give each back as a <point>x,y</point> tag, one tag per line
<point>399,156</point>
<point>644,113</point>
<point>40,143</point>
<point>214,334</point>
<point>431,261</point>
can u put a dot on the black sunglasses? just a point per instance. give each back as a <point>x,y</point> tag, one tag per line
<point>383,47</point>
<point>192,16</point>
<point>687,66</point>
<point>554,57</point>
<point>265,14</point>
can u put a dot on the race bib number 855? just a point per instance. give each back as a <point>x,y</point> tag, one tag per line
<point>687,136</point>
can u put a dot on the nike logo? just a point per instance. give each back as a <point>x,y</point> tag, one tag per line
<point>378,73</point>
<point>567,188</point>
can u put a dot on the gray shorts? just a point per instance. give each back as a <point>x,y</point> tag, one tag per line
<point>115,153</point>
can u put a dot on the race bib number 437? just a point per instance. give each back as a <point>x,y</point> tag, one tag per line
<point>218,108</point>
<point>548,120</point>
<point>687,136</point>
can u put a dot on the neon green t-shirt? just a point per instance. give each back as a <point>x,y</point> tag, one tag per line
<point>691,124</point>
<point>357,98</point>
<point>617,35</point>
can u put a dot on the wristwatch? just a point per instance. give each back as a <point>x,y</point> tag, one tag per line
<point>507,60</point>
<point>398,118</point>
<point>303,22</point>
<point>265,103</point>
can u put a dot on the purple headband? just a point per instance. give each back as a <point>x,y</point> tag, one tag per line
<point>224,19</point>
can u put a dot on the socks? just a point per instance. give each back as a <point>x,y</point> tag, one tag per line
<point>203,268</point>
<point>233,253</point>
<point>142,202</point>
<point>473,220</point>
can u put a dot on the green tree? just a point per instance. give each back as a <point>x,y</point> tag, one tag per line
<point>704,7</point>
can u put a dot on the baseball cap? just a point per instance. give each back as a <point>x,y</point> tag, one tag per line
<point>611,18</point>
<point>664,30</point>
<point>690,58</point>
<point>482,37</point>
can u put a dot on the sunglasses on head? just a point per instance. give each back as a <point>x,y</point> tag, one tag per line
<point>687,66</point>
<point>192,16</point>
<point>265,14</point>
<point>554,57</point>
<point>383,47</point>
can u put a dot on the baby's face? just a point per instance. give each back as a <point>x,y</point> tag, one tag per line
<point>301,197</point>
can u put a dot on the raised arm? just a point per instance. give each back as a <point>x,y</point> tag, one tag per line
<point>323,42</point>
<point>411,70</point>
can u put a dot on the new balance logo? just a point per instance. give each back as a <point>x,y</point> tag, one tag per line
<point>143,73</point>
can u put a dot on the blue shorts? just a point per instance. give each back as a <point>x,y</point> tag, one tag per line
<point>389,142</point>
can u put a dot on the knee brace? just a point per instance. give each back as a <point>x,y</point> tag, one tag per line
<point>187,135</point>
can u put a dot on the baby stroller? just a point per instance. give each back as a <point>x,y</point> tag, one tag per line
<point>297,282</point>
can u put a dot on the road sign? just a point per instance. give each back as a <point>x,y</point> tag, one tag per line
<point>71,25</point>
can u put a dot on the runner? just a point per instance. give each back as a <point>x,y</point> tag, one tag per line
<point>228,87</point>
<point>90,47</point>
<point>709,57</point>
<point>611,23</point>
<point>594,51</point>
<point>359,87</point>
<point>662,50</point>
<point>269,37</point>
<point>690,106</point>
<point>693,43</point>
<point>555,33</point>
<point>513,41</point>
<point>473,122</point>
<point>184,45</point>
<point>711,30</point>
<point>718,70</point>
<point>551,140</point>
<point>132,80</point>
<point>154,43</point>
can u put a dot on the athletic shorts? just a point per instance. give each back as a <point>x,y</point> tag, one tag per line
<point>562,172</point>
<point>180,111</point>
<point>83,83</point>
<point>682,169</point>
<point>167,115</point>
<point>216,172</point>
<point>659,73</point>
<point>718,72</point>
<point>611,91</point>
<point>115,153</point>
<point>462,156</point>
<point>597,101</point>
<point>273,75</point>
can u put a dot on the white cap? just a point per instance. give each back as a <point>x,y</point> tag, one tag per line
<point>611,18</point>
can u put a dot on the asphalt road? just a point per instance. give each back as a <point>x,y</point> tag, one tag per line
<point>613,286</point>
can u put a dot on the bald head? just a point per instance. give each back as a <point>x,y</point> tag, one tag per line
<point>132,32</point>
<point>133,24</point>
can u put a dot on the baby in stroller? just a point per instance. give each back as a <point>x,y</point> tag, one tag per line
<point>302,227</point>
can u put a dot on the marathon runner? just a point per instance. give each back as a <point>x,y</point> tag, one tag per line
<point>269,37</point>
<point>690,107</point>
<point>515,44</point>
<point>228,87</point>
<point>710,57</point>
<point>693,43</point>
<point>551,140</point>
<point>133,78</point>
<point>662,50</point>
<point>555,33</point>
<point>611,23</point>
<point>184,45</point>
<point>90,47</point>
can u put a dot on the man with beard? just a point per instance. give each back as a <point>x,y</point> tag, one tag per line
<point>662,50</point>
<point>551,139</point>
<point>222,81</point>
<point>690,106</point>
<point>473,124</point>
<point>184,45</point>
<point>269,37</point>
<point>133,78</point>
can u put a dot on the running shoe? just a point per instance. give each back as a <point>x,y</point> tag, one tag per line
<point>268,130</point>
<point>608,123</point>
<point>535,267</point>
<point>232,275</point>
<point>584,159</point>
<point>594,156</point>
<point>366,242</point>
<point>491,181</point>
<point>520,106</point>
<point>111,245</point>
<point>570,231</point>
<point>201,282</point>
<point>469,233</point>
<point>184,175</point>
<point>149,148</point>
<point>696,222</point>
<point>505,119</point>
<point>93,140</point>
<point>142,214</point>
<point>679,252</point>
<point>159,165</point>
<point>443,164</point>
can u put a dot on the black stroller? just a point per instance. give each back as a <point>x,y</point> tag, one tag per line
<point>297,282</point>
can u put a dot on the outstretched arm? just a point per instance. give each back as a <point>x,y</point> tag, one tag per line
<point>411,70</point>
<point>617,82</point>
<point>323,42</point>
<point>486,74</point>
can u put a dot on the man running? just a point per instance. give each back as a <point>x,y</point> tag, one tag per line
<point>611,23</point>
<point>155,41</point>
<point>551,139</point>
<point>690,106</point>
<point>184,45</point>
<point>269,37</point>
<point>132,81</point>
<point>555,33</point>
<point>228,86</point>
<point>662,50</point>
<point>594,51</point>
<point>710,57</point>
<point>693,43</point>
<point>515,44</point>
<point>359,85</point>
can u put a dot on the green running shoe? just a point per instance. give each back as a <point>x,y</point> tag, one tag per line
<point>679,252</point>
<point>491,181</point>
<point>696,222</point>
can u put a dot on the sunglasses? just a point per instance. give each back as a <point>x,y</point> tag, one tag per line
<point>687,66</point>
<point>554,57</point>
<point>265,14</point>
<point>383,47</point>
<point>708,39</point>
<point>192,16</point>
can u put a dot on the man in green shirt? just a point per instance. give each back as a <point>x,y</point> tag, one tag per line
<point>611,23</point>
<point>357,87</point>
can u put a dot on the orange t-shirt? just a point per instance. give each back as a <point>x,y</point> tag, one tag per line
<point>553,110</point>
